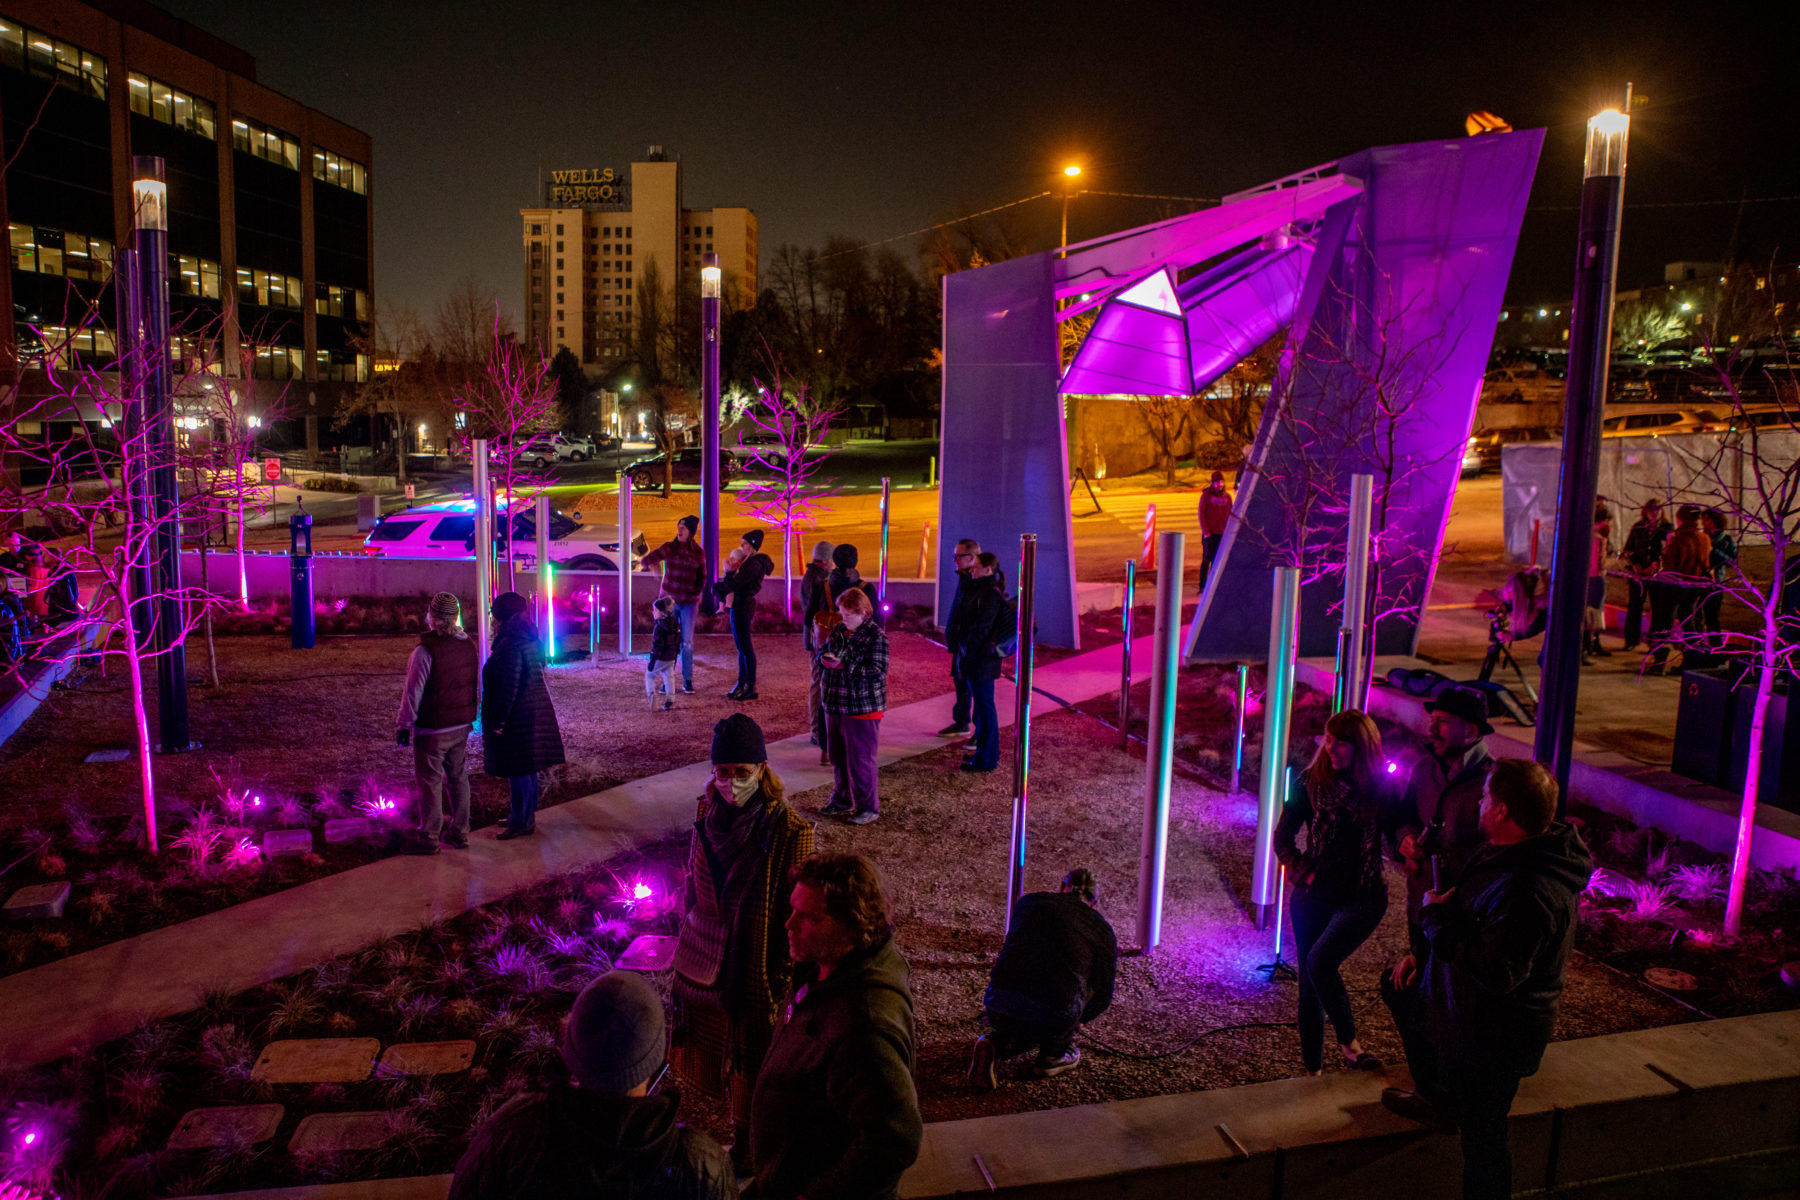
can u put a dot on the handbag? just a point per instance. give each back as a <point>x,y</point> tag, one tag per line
<point>700,950</point>
<point>827,618</point>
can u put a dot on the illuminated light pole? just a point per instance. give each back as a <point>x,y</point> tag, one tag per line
<point>1069,172</point>
<point>1590,342</point>
<point>1022,669</point>
<point>624,565</point>
<point>709,415</point>
<point>150,213</point>
<point>484,548</point>
<point>881,583</point>
<point>541,519</point>
<point>1128,601</point>
<point>1159,742</point>
<point>1278,699</point>
<point>1357,646</point>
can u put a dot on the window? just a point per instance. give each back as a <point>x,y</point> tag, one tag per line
<point>559,295</point>
<point>265,142</point>
<point>37,53</point>
<point>171,106</point>
<point>346,173</point>
<point>559,234</point>
<point>56,252</point>
<point>709,231</point>
<point>536,230</point>
<point>709,247</point>
<point>559,265</point>
<point>351,304</point>
<point>453,529</point>
<point>395,530</point>
<point>277,362</point>
<point>60,346</point>
<point>559,316</point>
<point>191,276</point>
<point>269,288</point>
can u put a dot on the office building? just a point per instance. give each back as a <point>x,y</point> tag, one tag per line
<point>597,233</point>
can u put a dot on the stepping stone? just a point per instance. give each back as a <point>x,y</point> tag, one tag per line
<point>427,1058</point>
<point>278,842</point>
<point>1671,979</point>
<point>648,952</point>
<point>229,1126</point>
<point>347,829</point>
<point>39,902</point>
<point>316,1060</point>
<point>102,756</point>
<point>326,1133</point>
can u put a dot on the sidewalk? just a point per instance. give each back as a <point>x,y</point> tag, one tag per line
<point>103,994</point>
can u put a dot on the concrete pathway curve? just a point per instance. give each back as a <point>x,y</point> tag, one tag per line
<point>91,998</point>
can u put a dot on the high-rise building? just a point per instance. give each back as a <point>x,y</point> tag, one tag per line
<point>597,234</point>
<point>270,202</point>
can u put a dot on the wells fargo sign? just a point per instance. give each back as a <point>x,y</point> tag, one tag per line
<point>585,188</point>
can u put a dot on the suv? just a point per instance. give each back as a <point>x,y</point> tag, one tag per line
<point>647,473</point>
<point>446,529</point>
<point>557,447</point>
<point>1657,422</point>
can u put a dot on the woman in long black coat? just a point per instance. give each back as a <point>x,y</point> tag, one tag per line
<point>519,736</point>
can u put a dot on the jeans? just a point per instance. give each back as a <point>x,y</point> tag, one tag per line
<point>743,615</point>
<point>1640,591</point>
<point>815,705</point>
<point>659,670</point>
<point>1013,1036</point>
<point>1678,602</point>
<point>1325,934</point>
<point>959,713</point>
<point>440,766</point>
<point>1209,550</point>
<point>685,612</point>
<point>987,724</point>
<point>1478,1097</point>
<point>853,743</point>
<point>524,790</point>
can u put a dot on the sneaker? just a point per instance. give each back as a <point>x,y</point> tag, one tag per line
<point>1048,1068</point>
<point>955,730</point>
<point>1415,1107</point>
<point>745,696</point>
<point>982,1076</point>
<point>456,839</point>
<point>668,704</point>
<point>834,809</point>
<point>508,833</point>
<point>418,846</point>
<point>863,818</point>
<point>972,769</point>
<point>687,687</point>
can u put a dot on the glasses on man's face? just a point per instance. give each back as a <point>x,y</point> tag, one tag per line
<point>961,557</point>
<point>741,772</point>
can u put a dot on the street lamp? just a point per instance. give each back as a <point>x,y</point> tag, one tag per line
<point>1069,172</point>
<point>709,413</point>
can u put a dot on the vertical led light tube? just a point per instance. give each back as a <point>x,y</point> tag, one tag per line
<point>1015,865</point>
<point>1128,603</point>
<point>1159,747</point>
<point>540,518</point>
<point>484,548</point>
<point>1243,705</point>
<point>1284,630</point>
<point>625,565</point>
<point>1352,687</point>
<point>881,585</point>
<point>710,278</point>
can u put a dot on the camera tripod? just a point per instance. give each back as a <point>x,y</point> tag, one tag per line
<point>1499,652</point>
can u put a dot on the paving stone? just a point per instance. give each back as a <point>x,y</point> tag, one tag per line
<point>106,756</point>
<point>39,902</point>
<point>328,1132</point>
<point>316,1060</point>
<point>277,842</point>
<point>228,1126</point>
<point>428,1058</point>
<point>648,952</point>
<point>347,829</point>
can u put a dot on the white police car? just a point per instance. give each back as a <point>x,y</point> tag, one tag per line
<point>446,529</point>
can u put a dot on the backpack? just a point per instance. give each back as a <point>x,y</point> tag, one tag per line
<point>827,618</point>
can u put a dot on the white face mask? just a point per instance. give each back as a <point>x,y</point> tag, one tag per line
<point>743,790</point>
<point>852,620</point>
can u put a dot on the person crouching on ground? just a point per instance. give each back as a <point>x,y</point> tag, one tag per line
<point>731,956</point>
<point>437,711</point>
<point>519,735</point>
<point>602,1132</point>
<point>836,1112</point>
<point>1477,1007</point>
<point>854,661</point>
<point>665,650</point>
<point>1054,974</point>
<point>1339,893</point>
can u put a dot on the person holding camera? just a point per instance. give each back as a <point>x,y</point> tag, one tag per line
<point>1438,817</point>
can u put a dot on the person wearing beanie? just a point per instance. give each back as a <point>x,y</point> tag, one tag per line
<point>844,576</point>
<point>738,590</point>
<point>683,563</point>
<point>519,734</point>
<point>665,650</point>
<point>601,1132</point>
<point>1215,514</point>
<point>1054,974</point>
<point>731,957</point>
<point>816,598</point>
<point>437,710</point>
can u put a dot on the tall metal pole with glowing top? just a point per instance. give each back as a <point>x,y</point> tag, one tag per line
<point>1590,342</point>
<point>150,217</point>
<point>709,413</point>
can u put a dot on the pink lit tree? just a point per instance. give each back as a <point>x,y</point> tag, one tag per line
<point>784,443</point>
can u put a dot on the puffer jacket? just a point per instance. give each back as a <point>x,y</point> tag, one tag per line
<point>519,735</point>
<point>570,1142</point>
<point>1492,973</point>
<point>981,626</point>
<point>665,638</point>
<point>836,1115</point>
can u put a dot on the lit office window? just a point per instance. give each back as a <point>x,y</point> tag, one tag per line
<point>346,173</point>
<point>57,252</point>
<point>271,289</point>
<point>191,276</point>
<point>171,106</point>
<point>265,142</point>
<point>37,53</point>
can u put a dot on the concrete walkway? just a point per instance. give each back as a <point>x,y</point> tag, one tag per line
<point>91,998</point>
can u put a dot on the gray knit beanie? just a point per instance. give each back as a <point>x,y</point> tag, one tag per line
<point>821,552</point>
<point>615,1037</point>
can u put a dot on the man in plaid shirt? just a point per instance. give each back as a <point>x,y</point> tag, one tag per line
<point>684,576</point>
<point>854,665</point>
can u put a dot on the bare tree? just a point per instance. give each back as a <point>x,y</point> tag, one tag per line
<point>1169,425</point>
<point>786,450</point>
<point>672,410</point>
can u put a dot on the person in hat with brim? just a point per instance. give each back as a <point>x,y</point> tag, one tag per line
<point>601,1132</point>
<point>437,710</point>
<point>731,958</point>
<point>1439,814</point>
<point>683,562</point>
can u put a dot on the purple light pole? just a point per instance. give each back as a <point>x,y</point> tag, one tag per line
<point>150,217</point>
<point>1590,342</point>
<point>709,414</point>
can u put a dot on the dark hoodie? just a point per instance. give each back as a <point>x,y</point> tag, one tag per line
<point>746,579</point>
<point>1492,974</point>
<point>569,1142</point>
<point>835,1115</point>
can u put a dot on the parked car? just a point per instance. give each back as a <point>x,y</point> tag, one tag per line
<point>1658,422</point>
<point>648,472</point>
<point>557,447</point>
<point>1490,443</point>
<point>1471,463</point>
<point>446,529</point>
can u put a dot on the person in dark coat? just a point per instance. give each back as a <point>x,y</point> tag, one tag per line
<point>665,651</point>
<point>519,735</point>
<point>962,712</point>
<point>981,625</point>
<point>1643,559</point>
<point>1438,814</point>
<point>1055,973</point>
<point>739,588</point>
<point>835,1115</point>
<point>1340,895</point>
<point>1477,1008</point>
<point>600,1133</point>
<point>816,597</point>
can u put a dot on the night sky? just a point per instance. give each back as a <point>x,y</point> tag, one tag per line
<point>872,119</point>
